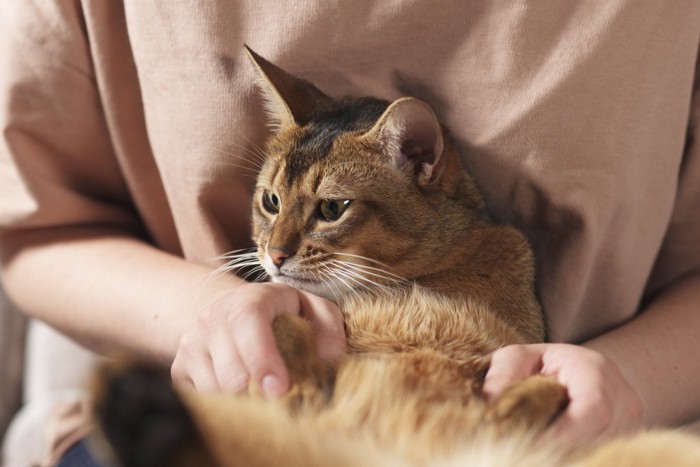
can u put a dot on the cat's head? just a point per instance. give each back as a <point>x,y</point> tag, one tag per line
<point>355,192</point>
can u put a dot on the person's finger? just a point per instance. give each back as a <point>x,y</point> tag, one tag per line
<point>594,418</point>
<point>193,366</point>
<point>327,323</point>
<point>584,420</point>
<point>257,348</point>
<point>179,375</point>
<point>509,364</point>
<point>229,369</point>
<point>602,403</point>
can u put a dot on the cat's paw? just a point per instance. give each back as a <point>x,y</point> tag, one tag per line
<point>531,404</point>
<point>309,375</point>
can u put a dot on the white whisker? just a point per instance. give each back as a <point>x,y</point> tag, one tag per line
<point>262,276</point>
<point>350,289</point>
<point>256,149</point>
<point>240,251</point>
<point>338,272</point>
<point>365,282</point>
<point>256,270</point>
<point>253,149</point>
<point>240,259</point>
<point>370,271</point>
<point>242,167</point>
<point>252,159</point>
<point>332,276</point>
<point>328,282</point>
<point>366,258</point>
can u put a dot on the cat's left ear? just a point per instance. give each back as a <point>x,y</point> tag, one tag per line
<point>289,100</point>
<point>411,135</point>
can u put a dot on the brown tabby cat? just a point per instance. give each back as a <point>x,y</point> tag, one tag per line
<point>368,203</point>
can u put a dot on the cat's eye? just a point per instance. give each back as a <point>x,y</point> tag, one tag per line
<point>271,202</point>
<point>331,209</point>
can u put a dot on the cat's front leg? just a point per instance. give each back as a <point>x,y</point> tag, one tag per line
<point>310,377</point>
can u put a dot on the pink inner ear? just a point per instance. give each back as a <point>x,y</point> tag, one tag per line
<point>420,152</point>
<point>421,138</point>
<point>410,133</point>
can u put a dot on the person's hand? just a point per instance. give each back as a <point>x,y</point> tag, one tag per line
<point>602,404</point>
<point>232,341</point>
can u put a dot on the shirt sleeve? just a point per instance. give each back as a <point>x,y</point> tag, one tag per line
<point>57,164</point>
<point>679,255</point>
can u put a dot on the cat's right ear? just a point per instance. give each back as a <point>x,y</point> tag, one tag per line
<point>288,100</point>
<point>411,137</point>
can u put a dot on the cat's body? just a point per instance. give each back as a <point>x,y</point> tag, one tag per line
<point>429,288</point>
<point>369,204</point>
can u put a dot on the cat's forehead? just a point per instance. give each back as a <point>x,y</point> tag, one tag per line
<point>330,177</point>
<point>313,144</point>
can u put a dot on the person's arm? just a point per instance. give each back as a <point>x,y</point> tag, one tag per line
<point>109,291</point>
<point>659,354</point>
<point>118,295</point>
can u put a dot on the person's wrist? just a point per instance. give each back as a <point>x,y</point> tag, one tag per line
<point>609,350</point>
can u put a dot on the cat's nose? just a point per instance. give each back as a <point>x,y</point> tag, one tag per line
<point>278,255</point>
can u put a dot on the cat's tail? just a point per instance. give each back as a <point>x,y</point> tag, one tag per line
<point>141,421</point>
<point>242,431</point>
<point>147,423</point>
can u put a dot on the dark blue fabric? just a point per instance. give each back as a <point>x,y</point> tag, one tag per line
<point>79,456</point>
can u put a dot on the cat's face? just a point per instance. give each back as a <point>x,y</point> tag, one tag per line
<point>333,226</point>
<point>351,193</point>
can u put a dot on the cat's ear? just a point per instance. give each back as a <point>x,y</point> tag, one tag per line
<point>288,100</point>
<point>410,134</point>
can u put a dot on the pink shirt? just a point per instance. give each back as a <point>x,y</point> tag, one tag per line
<point>578,121</point>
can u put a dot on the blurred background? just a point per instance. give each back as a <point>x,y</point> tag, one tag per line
<point>13,327</point>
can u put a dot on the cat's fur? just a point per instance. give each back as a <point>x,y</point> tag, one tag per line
<point>428,286</point>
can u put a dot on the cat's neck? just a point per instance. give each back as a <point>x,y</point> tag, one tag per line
<point>493,264</point>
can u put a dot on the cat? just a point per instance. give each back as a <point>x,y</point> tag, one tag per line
<point>369,203</point>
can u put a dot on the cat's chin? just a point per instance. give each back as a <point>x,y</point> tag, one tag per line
<point>307,285</point>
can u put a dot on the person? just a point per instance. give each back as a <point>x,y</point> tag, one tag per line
<point>129,134</point>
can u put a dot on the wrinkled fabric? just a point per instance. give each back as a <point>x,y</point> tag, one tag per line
<point>577,119</point>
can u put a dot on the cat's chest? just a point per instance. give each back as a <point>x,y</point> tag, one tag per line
<point>418,319</point>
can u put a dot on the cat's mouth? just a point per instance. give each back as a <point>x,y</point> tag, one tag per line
<point>288,279</point>
<point>315,282</point>
<point>314,286</point>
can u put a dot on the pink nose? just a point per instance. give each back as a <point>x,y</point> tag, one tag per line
<point>277,256</point>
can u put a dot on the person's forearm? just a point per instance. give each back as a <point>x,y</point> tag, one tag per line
<point>659,354</point>
<point>112,293</point>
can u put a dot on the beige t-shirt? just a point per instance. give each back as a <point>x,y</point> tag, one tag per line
<point>578,121</point>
